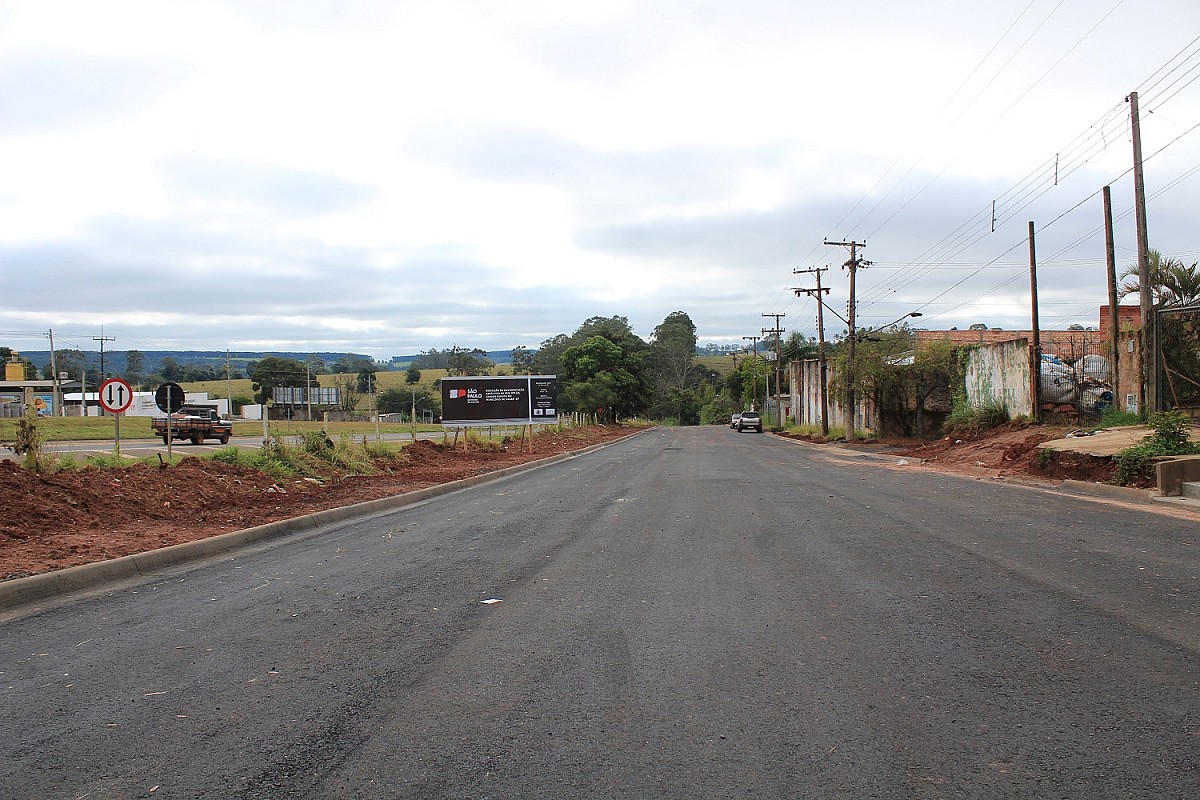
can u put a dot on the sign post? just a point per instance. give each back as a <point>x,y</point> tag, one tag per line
<point>115,397</point>
<point>169,398</point>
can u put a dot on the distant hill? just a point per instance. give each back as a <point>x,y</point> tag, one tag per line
<point>498,356</point>
<point>115,360</point>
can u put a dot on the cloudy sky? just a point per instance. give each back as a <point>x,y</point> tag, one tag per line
<point>387,177</point>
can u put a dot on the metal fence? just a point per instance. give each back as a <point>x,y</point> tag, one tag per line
<point>1079,382</point>
<point>1178,369</point>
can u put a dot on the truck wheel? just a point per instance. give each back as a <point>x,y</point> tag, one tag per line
<point>197,439</point>
<point>225,439</point>
<point>166,439</point>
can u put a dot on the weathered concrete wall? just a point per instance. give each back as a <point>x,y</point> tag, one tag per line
<point>999,373</point>
<point>1129,371</point>
<point>805,381</point>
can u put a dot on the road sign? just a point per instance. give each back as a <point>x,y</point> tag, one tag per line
<point>169,398</point>
<point>115,395</point>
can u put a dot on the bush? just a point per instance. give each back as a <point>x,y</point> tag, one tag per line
<point>1171,428</point>
<point>1170,438</point>
<point>1113,418</point>
<point>972,420</point>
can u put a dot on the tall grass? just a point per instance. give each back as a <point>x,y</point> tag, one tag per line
<point>973,420</point>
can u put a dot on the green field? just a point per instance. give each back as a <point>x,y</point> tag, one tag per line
<point>390,379</point>
<point>62,429</point>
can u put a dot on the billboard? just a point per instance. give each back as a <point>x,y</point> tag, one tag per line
<point>298,395</point>
<point>500,400</point>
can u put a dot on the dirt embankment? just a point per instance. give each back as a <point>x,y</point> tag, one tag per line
<point>61,519</point>
<point>1007,451</point>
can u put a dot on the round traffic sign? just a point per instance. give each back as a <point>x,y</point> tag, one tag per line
<point>116,395</point>
<point>169,398</point>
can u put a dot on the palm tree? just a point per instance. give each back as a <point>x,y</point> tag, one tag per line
<point>1172,282</point>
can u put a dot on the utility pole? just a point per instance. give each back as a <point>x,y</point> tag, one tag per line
<point>101,339</point>
<point>853,264</point>
<point>228,383</point>
<point>1149,343</point>
<point>59,410</point>
<point>754,372</point>
<point>777,331</point>
<point>823,365</point>
<point>1114,329</point>
<point>1035,353</point>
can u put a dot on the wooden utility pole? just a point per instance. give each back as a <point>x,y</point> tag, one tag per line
<point>777,331</point>
<point>823,366</point>
<point>1035,351</point>
<point>59,406</point>
<point>1114,327</point>
<point>1149,345</point>
<point>101,339</point>
<point>853,264</point>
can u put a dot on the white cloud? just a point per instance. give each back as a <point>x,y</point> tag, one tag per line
<point>389,176</point>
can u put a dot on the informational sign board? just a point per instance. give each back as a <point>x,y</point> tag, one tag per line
<point>298,395</point>
<point>43,404</point>
<point>115,395</point>
<point>483,400</point>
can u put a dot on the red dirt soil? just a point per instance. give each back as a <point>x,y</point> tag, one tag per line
<point>60,519</point>
<point>1008,451</point>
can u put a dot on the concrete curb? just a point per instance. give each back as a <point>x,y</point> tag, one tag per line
<point>23,591</point>
<point>1107,491</point>
<point>1102,491</point>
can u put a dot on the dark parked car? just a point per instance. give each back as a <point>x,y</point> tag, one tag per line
<point>750,420</point>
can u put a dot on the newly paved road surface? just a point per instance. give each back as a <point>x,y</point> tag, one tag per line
<point>692,613</point>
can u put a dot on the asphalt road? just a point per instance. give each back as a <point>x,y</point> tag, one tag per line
<point>692,613</point>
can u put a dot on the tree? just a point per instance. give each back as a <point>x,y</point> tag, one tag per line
<point>349,395</point>
<point>599,378</point>
<point>798,347</point>
<point>273,371</point>
<point>623,388</point>
<point>412,375</point>
<point>135,361</point>
<point>198,372</point>
<point>468,362</point>
<point>395,400</point>
<point>899,378</point>
<point>73,362</point>
<point>366,378</point>
<point>170,369</point>
<point>522,361</point>
<point>352,365</point>
<point>431,359</point>
<point>547,359</point>
<point>1172,283</point>
<point>673,351</point>
<point>315,365</point>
